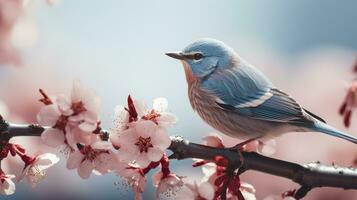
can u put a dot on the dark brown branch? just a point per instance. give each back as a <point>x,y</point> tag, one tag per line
<point>307,176</point>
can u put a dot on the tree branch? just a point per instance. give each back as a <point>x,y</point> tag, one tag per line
<point>308,176</point>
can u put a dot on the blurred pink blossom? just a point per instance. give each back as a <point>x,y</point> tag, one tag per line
<point>349,104</point>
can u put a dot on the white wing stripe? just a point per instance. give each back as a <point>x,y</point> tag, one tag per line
<point>256,102</point>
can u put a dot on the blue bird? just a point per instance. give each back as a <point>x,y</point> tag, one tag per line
<point>237,99</point>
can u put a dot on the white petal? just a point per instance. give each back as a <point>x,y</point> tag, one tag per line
<point>128,137</point>
<point>140,107</point>
<point>166,119</point>
<point>48,115</point>
<point>206,190</point>
<point>46,160</point>
<point>102,145</point>
<point>85,169</point>
<point>142,160</point>
<point>160,139</point>
<point>154,154</point>
<point>8,187</point>
<point>105,162</point>
<point>145,128</point>
<point>77,91</point>
<point>64,105</point>
<point>88,126</point>
<point>74,160</point>
<point>121,118</point>
<point>128,154</point>
<point>53,137</point>
<point>91,101</point>
<point>160,105</point>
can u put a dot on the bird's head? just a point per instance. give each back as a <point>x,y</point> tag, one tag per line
<point>203,57</point>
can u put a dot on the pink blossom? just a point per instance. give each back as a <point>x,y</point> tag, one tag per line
<point>96,157</point>
<point>10,12</point>
<point>349,104</point>
<point>7,186</point>
<point>35,170</point>
<point>202,191</point>
<point>167,185</point>
<point>143,142</point>
<point>71,120</point>
<point>139,110</point>
<point>134,177</point>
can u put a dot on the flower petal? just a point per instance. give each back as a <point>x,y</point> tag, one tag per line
<point>85,169</point>
<point>142,160</point>
<point>53,137</point>
<point>64,105</point>
<point>140,107</point>
<point>206,190</point>
<point>166,119</point>
<point>160,104</point>
<point>74,160</point>
<point>161,139</point>
<point>48,115</point>
<point>145,128</point>
<point>7,187</point>
<point>154,154</point>
<point>46,160</point>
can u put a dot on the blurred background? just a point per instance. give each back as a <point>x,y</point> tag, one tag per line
<point>307,48</point>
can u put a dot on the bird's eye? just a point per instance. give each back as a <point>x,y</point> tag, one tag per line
<point>197,56</point>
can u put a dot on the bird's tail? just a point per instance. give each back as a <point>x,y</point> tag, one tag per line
<point>329,130</point>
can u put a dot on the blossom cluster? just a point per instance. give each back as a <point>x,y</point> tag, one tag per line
<point>135,145</point>
<point>132,148</point>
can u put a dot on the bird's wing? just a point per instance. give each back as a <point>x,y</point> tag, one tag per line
<point>248,92</point>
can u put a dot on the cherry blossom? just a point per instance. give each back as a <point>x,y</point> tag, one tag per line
<point>133,176</point>
<point>143,142</point>
<point>36,168</point>
<point>202,191</point>
<point>168,184</point>
<point>72,120</point>
<point>96,157</point>
<point>7,186</point>
<point>138,110</point>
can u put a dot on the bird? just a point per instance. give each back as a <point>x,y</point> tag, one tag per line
<point>238,100</point>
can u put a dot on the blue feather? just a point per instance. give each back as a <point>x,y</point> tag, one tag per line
<point>324,128</point>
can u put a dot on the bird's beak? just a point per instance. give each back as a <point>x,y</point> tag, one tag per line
<point>176,55</point>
